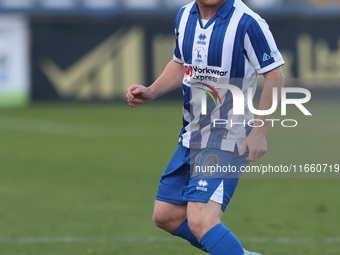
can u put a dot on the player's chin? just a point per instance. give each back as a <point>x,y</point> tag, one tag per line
<point>211,3</point>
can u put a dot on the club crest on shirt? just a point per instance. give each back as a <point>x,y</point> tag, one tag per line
<point>199,55</point>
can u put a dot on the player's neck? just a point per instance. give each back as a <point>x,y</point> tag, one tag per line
<point>208,11</point>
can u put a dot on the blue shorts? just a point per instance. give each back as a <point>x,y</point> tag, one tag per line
<point>180,183</point>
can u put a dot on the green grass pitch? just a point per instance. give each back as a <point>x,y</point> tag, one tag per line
<point>81,179</point>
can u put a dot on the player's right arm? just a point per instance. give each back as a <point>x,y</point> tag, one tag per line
<point>170,79</point>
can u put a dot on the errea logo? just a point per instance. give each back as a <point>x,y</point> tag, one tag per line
<point>202,185</point>
<point>202,38</point>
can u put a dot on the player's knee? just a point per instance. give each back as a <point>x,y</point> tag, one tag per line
<point>164,220</point>
<point>168,220</point>
<point>196,225</point>
<point>160,219</point>
<point>201,223</point>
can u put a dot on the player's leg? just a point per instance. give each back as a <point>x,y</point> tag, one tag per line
<point>203,216</point>
<point>205,223</point>
<point>208,194</point>
<point>172,218</point>
<point>170,207</point>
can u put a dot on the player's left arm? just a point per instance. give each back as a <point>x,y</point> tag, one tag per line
<point>256,141</point>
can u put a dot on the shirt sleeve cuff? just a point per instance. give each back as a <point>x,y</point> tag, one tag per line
<point>271,67</point>
<point>178,60</point>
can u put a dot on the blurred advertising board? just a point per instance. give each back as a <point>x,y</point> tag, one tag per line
<point>87,60</point>
<point>14,61</point>
<point>96,59</point>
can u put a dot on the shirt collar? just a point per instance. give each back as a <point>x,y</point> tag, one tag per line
<point>222,12</point>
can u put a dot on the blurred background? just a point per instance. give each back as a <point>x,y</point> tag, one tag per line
<point>92,50</point>
<point>79,169</point>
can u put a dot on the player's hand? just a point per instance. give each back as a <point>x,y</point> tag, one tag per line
<point>138,94</point>
<point>257,146</point>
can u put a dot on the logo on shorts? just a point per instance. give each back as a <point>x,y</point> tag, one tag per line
<point>202,185</point>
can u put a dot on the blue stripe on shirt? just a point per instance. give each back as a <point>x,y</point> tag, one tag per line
<point>260,44</point>
<point>186,106</point>
<point>216,136</point>
<point>238,61</point>
<point>189,37</point>
<point>177,22</point>
<point>217,40</point>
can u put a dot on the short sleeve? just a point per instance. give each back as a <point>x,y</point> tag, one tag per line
<point>177,54</point>
<point>261,48</point>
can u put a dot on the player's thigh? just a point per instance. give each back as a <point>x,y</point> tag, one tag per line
<point>198,209</point>
<point>170,210</point>
<point>169,215</point>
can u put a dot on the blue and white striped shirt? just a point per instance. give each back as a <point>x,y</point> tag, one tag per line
<point>235,43</point>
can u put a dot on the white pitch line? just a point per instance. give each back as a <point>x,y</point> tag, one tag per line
<point>332,240</point>
<point>51,127</point>
<point>72,239</point>
<point>154,239</point>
